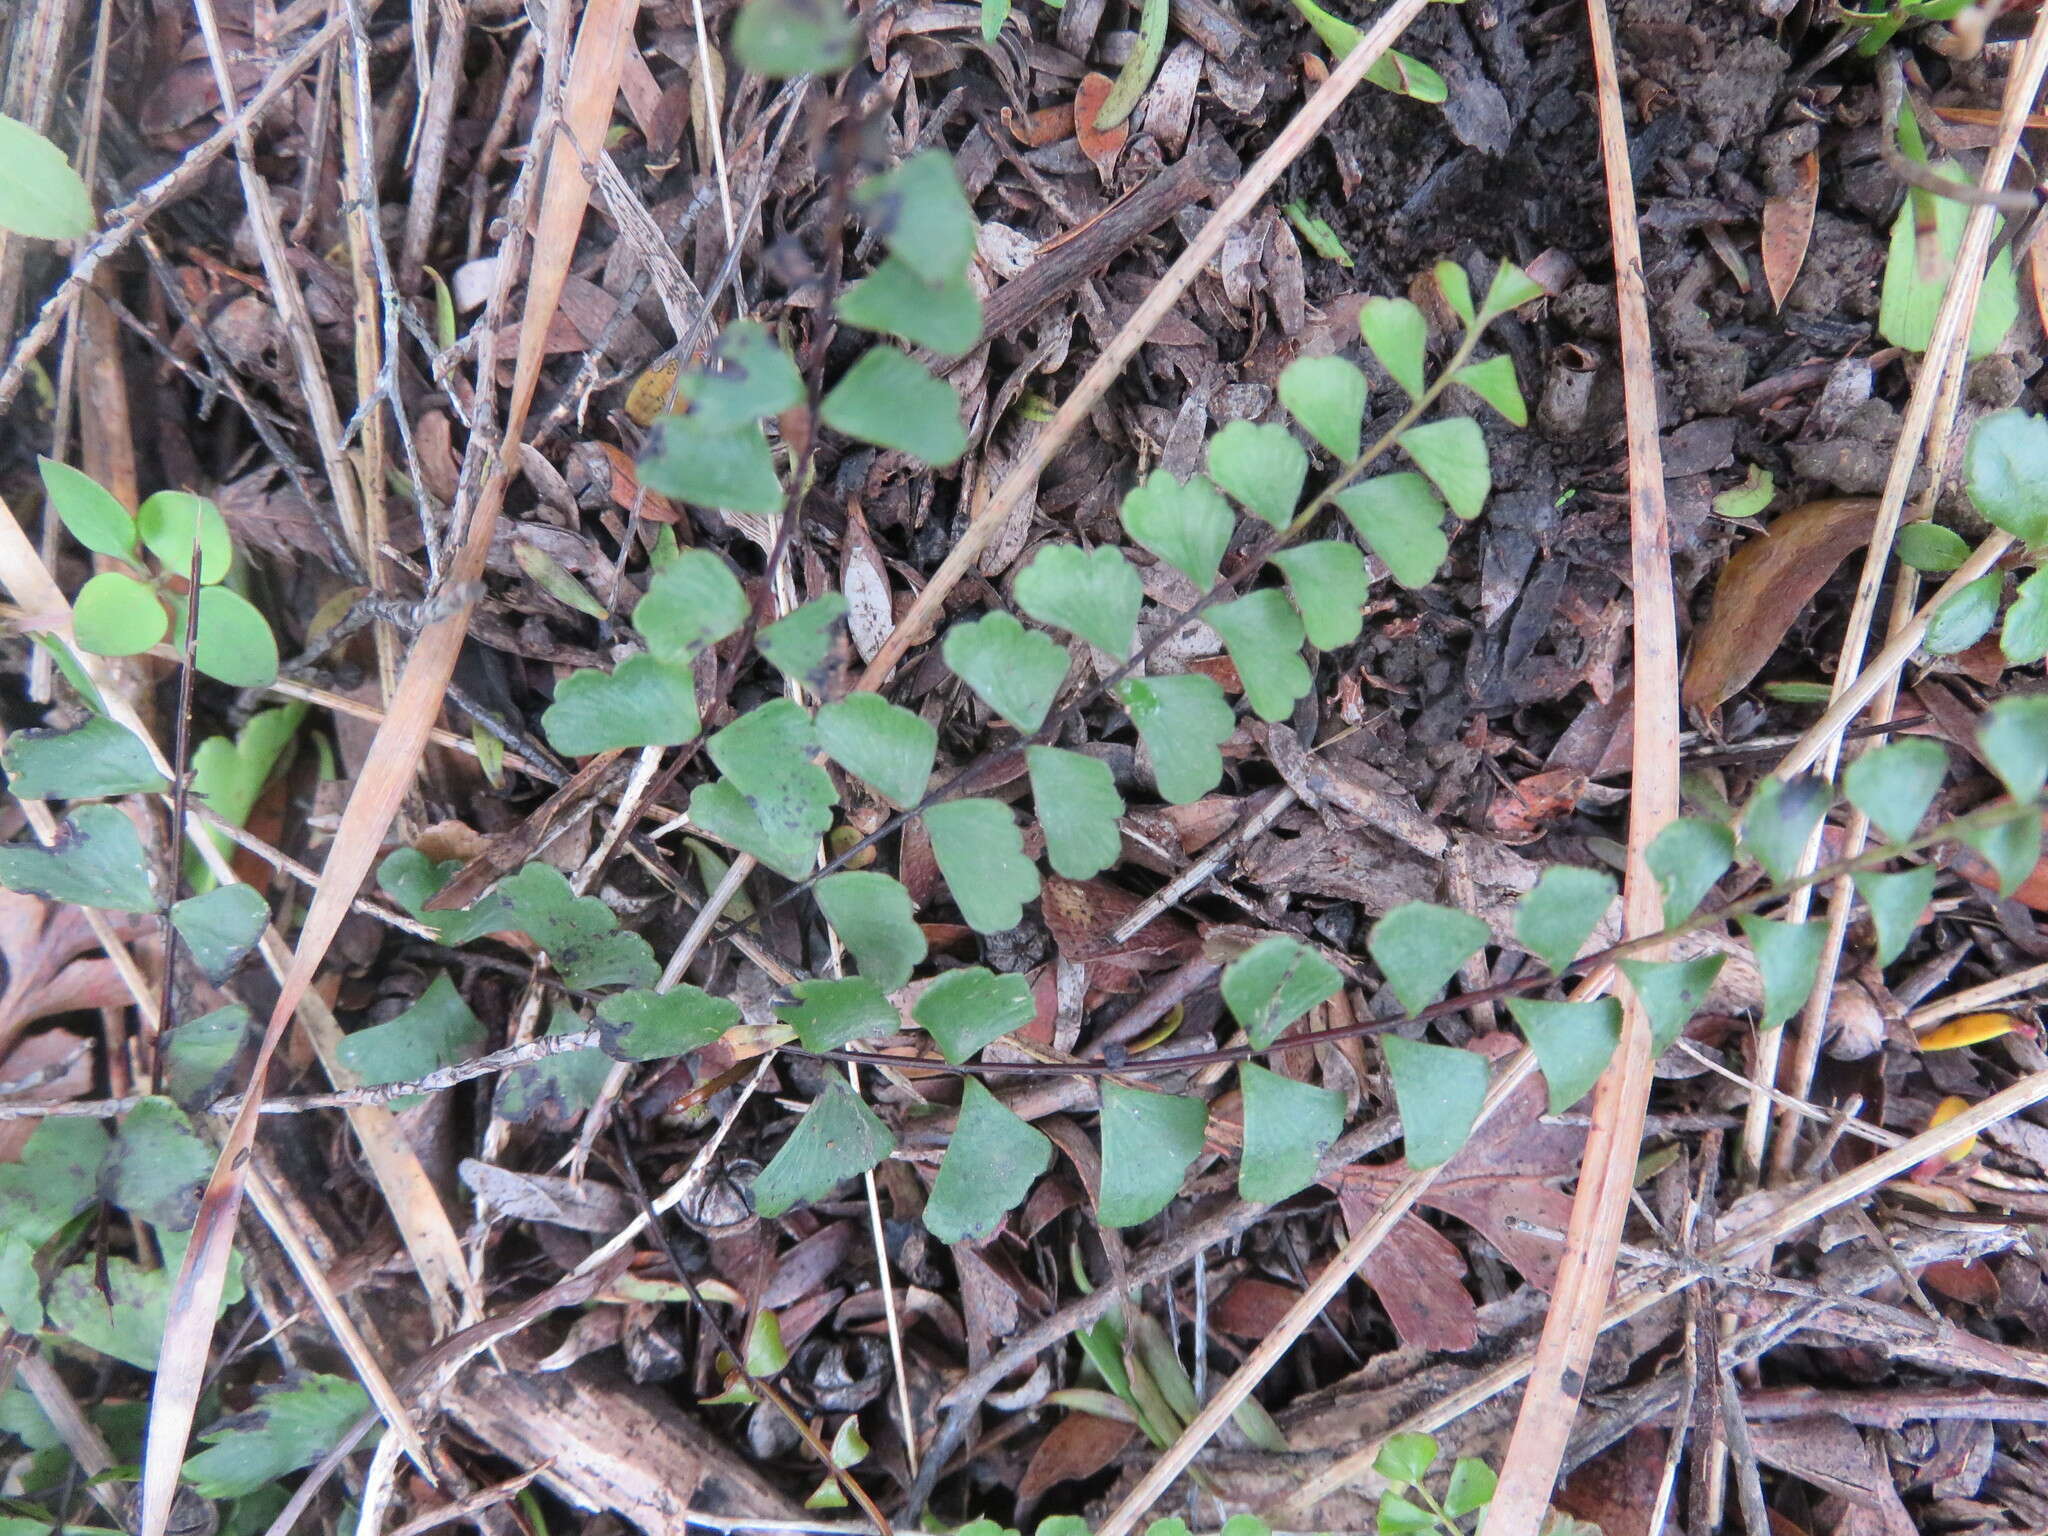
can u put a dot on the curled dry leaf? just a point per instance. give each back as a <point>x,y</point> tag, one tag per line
<point>1765,587</point>
<point>1788,226</point>
<point>1077,1447</point>
<point>865,584</point>
<point>1101,147</point>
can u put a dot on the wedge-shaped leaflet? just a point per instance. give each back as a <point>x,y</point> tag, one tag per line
<point>1965,618</point>
<point>1182,720</point>
<point>839,1138</point>
<point>1439,1092</point>
<point>1671,992</point>
<point>1493,380</point>
<point>1573,1043</point>
<point>437,1031</point>
<point>1897,902</point>
<point>980,851</point>
<point>1265,635</point>
<point>1186,523</point>
<point>1452,453</point>
<point>831,1013</point>
<point>2014,738</point>
<point>1779,820</point>
<point>1288,1126</point>
<point>645,1025</point>
<point>731,468</point>
<point>895,298</point>
<point>1687,857</point>
<point>746,378</point>
<point>1893,785</point>
<point>766,755</point>
<point>801,643</point>
<point>98,757</point>
<point>989,1168</point>
<point>889,400</point>
<point>1554,920</point>
<point>721,811</point>
<point>1327,396</point>
<point>1274,983</point>
<point>291,1426</point>
<point>884,745</point>
<point>97,861</point>
<point>872,915</point>
<point>580,933</point>
<point>692,603</point>
<point>1399,516</point>
<point>1078,808</point>
<point>1263,468</point>
<point>643,702</point>
<point>1419,946</point>
<point>221,927</point>
<point>201,1056</point>
<point>88,510</point>
<point>41,196</point>
<point>964,1010</point>
<point>1148,1140</point>
<point>1091,593</point>
<point>1016,671</point>
<point>555,1091</point>
<point>2023,637</point>
<point>1399,336</point>
<point>1788,954</point>
<point>157,1166</point>
<point>2011,844</point>
<point>922,215</point>
<point>1327,580</point>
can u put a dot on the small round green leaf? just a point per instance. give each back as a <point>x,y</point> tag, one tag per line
<point>1399,516</point>
<point>944,316</point>
<point>116,615</point>
<point>1091,593</point>
<point>644,702</point>
<point>1262,467</point>
<point>89,511</point>
<point>786,38</point>
<point>1016,671</point>
<point>872,915</point>
<point>1078,807</point>
<point>1931,547</point>
<point>889,400</point>
<point>980,851</point>
<point>989,1168</point>
<point>1185,523</point>
<point>2024,637</point>
<point>1780,820</point>
<point>235,644</point>
<point>2005,471</point>
<point>1966,617</point>
<point>2010,844</point>
<point>1182,720</point>
<point>1288,1126</point>
<point>1439,1092</point>
<point>2014,737</point>
<point>167,522</point>
<point>730,468</point>
<point>1148,1140</point>
<point>1405,1458</point>
<point>1327,396</point>
<point>964,1010</point>
<point>1419,946</point>
<point>882,744</point>
<point>692,603</point>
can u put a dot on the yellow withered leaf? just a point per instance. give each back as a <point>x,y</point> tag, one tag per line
<point>648,398</point>
<point>1970,1029</point>
<point>1944,1112</point>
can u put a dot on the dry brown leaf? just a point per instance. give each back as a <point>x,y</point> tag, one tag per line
<point>864,582</point>
<point>1079,1446</point>
<point>1101,148</point>
<point>1765,587</point>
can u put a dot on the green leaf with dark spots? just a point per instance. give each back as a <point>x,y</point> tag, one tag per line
<point>580,933</point>
<point>292,1426</point>
<point>804,642</point>
<point>1780,819</point>
<point>99,757</point>
<point>745,378</point>
<point>721,811</point>
<point>731,468</point>
<point>989,1167</point>
<point>839,1138</point>
<point>411,879</point>
<point>873,917</point>
<point>221,927</point>
<point>964,1010</point>
<point>97,862</point>
<point>645,1025</point>
<point>556,1091</point>
<point>158,1166</point>
<point>980,851</point>
<point>766,755</point>
<point>922,215</point>
<point>834,1012</point>
<point>201,1056</point>
<point>56,1176</point>
<point>435,1032</point>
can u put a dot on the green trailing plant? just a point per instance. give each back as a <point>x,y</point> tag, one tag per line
<point>41,196</point>
<point>1409,1508</point>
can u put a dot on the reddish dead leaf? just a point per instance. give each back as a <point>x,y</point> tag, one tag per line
<point>1527,811</point>
<point>1253,1308</point>
<point>1788,226</point>
<point>626,488</point>
<point>1765,587</point>
<point>1973,1283</point>
<point>1048,125</point>
<point>1972,866</point>
<point>1617,1489</point>
<point>1083,914</point>
<point>1219,668</point>
<point>1079,1446</point>
<point>42,944</point>
<point>50,1067</point>
<point>1101,148</point>
<point>1419,1276</point>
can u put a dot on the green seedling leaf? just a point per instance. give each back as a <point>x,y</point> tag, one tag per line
<point>1439,1091</point>
<point>643,702</point>
<point>125,1317</point>
<point>839,1138</point>
<point>2011,844</point>
<point>99,757</point>
<point>692,603</point>
<point>56,1177</point>
<point>1185,523</point>
<point>221,927</point>
<point>644,1025</point>
<point>21,1303</point>
<point>1671,992</point>
<point>1262,467</point>
<point>1788,954</point>
<point>555,1091</point>
<point>116,615</point>
<point>1493,380</point>
<point>1758,489</point>
<point>1078,808</point>
<point>1399,338</point>
<point>556,579</point>
<point>1893,785</point>
<point>1965,618</point>
<point>1554,920</point>
<point>2014,737</point>
<point>1148,1140</point>
<point>1914,285</point>
<point>1264,635</point>
<point>412,880</point>
<point>1399,516</point>
<point>1406,76</point>
<point>1932,548</point>
<point>1327,396</point>
<point>802,643</point>
<point>290,1427</point>
<point>832,1013</point>
<point>766,755</point>
<point>1897,903</point>
<point>1511,288</point>
<point>1328,583</point>
<point>1419,946</point>
<point>2006,472</point>
<point>157,1166</point>
<point>889,400</point>
<point>785,38</point>
<point>993,14</point>
<point>1456,288</point>
<point>1452,453</point>
<point>1288,1126</point>
<point>1405,1459</point>
<point>988,1170</point>
<point>721,811</point>
<point>2024,637</point>
<point>1322,238</point>
<point>922,215</point>
<point>435,1032</point>
<point>980,851</point>
<point>746,378</point>
<point>1137,72</point>
<point>1274,983</point>
<point>731,468</point>
<point>1687,857</point>
<point>1091,593</point>
<point>69,663</point>
<point>167,522</point>
<point>580,933</point>
<point>1182,720</point>
<point>872,915</point>
<point>944,315</point>
<point>1472,1485</point>
<point>234,644</point>
<point>40,195</point>
<point>1573,1043</point>
<point>200,1055</point>
<point>884,745</point>
<point>964,1010</point>
<point>97,861</point>
<point>229,775</point>
<point>1780,819</point>
<point>86,508</point>
<point>1016,671</point>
